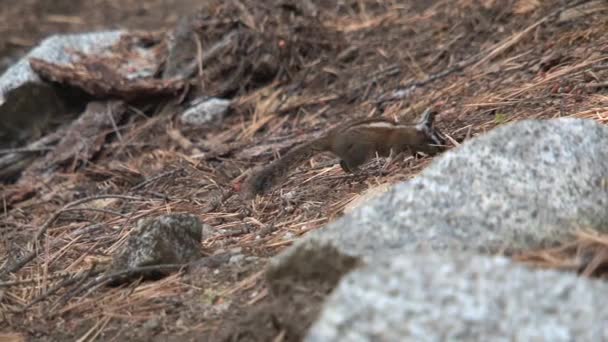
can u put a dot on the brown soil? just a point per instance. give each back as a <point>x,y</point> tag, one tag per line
<point>345,59</point>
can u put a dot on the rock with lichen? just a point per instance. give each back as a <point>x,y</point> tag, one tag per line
<point>168,239</point>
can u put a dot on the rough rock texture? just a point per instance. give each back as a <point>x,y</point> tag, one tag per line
<point>168,239</point>
<point>182,50</point>
<point>205,110</point>
<point>56,49</point>
<point>460,297</point>
<point>520,186</point>
<point>24,98</point>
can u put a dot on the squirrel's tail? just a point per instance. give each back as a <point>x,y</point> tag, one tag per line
<point>264,178</point>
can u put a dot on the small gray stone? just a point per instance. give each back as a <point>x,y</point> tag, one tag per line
<point>521,186</point>
<point>204,111</point>
<point>168,239</point>
<point>460,297</point>
<point>151,324</point>
<point>236,259</point>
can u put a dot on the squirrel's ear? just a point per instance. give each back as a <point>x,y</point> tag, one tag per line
<point>426,125</point>
<point>427,119</point>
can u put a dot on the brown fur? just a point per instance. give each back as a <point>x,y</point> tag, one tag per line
<point>354,143</point>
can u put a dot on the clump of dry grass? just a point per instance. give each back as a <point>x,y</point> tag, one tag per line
<point>586,254</point>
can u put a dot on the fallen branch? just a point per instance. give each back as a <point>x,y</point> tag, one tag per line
<point>505,45</point>
<point>404,91</point>
<point>64,283</point>
<point>118,275</point>
<point>210,53</point>
<point>98,210</point>
<point>25,150</point>
<point>596,85</point>
<point>110,278</point>
<point>154,179</point>
<point>80,141</point>
<point>18,159</point>
<point>42,230</point>
<point>34,280</point>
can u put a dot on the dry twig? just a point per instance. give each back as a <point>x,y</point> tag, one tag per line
<point>42,230</point>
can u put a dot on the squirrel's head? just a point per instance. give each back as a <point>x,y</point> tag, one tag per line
<point>426,125</point>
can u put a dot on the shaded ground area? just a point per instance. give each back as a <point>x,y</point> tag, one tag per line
<point>485,63</point>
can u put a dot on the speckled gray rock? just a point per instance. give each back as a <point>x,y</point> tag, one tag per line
<point>520,186</point>
<point>167,239</point>
<point>24,98</point>
<point>56,49</point>
<point>204,111</point>
<point>460,297</point>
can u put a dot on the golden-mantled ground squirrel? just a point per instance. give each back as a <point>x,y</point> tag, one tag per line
<point>355,143</point>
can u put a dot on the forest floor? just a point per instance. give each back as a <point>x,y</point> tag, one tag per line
<point>483,63</point>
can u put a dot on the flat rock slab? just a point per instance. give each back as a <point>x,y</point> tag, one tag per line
<point>521,186</point>
<point>204,110</point>
<point>26,100</point>
<point>460,297</point>
<point>56,49</point>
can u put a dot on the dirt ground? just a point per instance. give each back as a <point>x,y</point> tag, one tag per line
<point>484,63</point>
